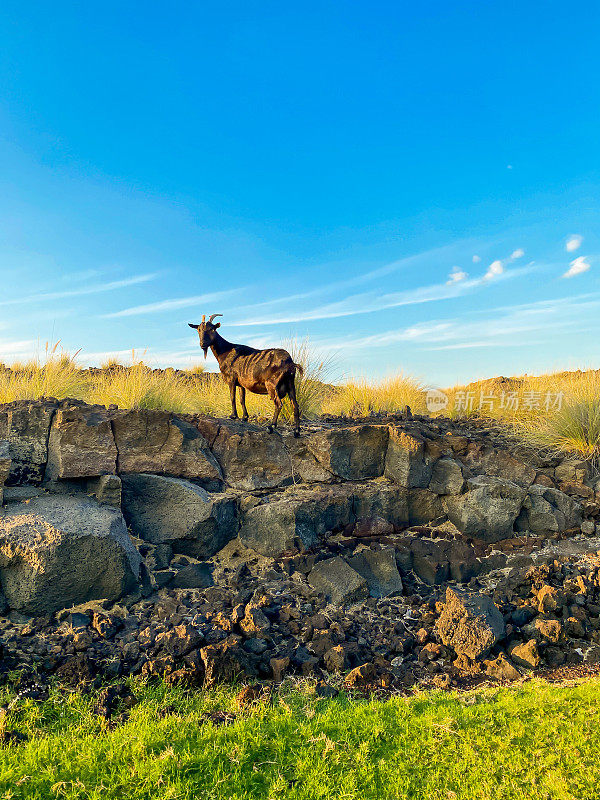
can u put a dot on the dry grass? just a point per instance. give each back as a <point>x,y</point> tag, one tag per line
<point>361,397</point>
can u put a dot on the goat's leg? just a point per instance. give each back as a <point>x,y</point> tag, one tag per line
<point>272,391</point>
<point>243,402</point>
<point>295,406</point>
<point>232,388</point>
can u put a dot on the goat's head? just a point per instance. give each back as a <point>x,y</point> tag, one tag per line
<point>207,331</point>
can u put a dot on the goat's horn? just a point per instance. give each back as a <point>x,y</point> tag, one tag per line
<point>203,317</point>
<point>212,316</point>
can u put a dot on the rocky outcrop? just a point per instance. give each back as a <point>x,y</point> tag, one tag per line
<point>402,502</point>
<point>58,551</point>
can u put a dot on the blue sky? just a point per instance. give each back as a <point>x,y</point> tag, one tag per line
<point>413,186</point>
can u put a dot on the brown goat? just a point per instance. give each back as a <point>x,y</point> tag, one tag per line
<point>270,371</point>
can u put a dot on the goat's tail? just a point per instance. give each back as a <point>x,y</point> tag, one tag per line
<point>299,368</point>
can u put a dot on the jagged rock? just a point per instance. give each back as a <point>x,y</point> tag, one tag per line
<point>406,462</point>
<point>161,443</point>
<point>470,623</point>
<point>488,509</point>
<point>381,498</point>
<point>5,464</point>
<point>547,510</point>
<point>60,551</point>
<point>249,456</point>
<point>526,654</point>
<point>295,518</point>
<point>26,426</point>
<point>162,509</point>
<point>224,661</point>
<point>423,506</point>
<point>81,443</point>
<point>446,477</point>
<point>338,581</point>
<point>361,677</point>
<point>351,453</point>
<point>378,568</point>
<point>501,669</point>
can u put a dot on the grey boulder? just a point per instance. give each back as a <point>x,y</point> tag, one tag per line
<point>379,569</point>
<point>547,510</point>
<point>57,552</point>
<point>338,581</point>
<point>296,518</point>
<point>160,443</point>
<point>488,509</point>
<point>193,521</point>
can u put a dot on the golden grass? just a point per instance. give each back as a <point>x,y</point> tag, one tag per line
<point>361,397</point>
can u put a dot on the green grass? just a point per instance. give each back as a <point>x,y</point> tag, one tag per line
<point>534,741</point>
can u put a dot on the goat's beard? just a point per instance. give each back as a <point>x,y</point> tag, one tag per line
<point>205,351</point>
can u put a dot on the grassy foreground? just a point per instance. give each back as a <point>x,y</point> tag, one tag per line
<point>535,741</point>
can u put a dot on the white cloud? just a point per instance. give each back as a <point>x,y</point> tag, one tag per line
<point>172,305</point>
<point>577,266</point>
<point>456,276</point>
<point>518,253</point>
<point>84,290</point>
<point>573,243</point>
<point>476,259</point>
<point>495,268</point>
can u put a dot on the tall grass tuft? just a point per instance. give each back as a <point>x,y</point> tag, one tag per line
<point>137,386</point>
<point>574,426</point>
<point>56,374</point>
<point>362,397</point>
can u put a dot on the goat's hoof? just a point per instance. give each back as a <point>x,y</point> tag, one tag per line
<point>296,434</point>
<point>233,416</point>
<point>270,428</point>
<point>245,419</point>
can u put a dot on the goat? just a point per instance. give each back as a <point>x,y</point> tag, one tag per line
<point>270,371</point>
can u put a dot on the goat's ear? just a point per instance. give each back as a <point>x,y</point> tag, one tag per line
<point>218,325</point>
<point>191,324</point>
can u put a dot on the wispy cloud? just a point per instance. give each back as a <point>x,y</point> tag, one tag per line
<point>577,266</point>
<point>82,290</point>
<point>371,302</point>
<point>173,304</point>
<point>518,253</point>
<point>573,243</point>
<point>476,259</point>
<point>501,327</point>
